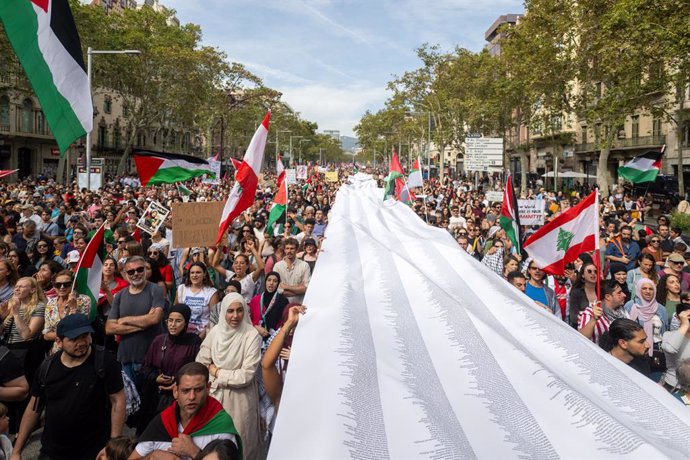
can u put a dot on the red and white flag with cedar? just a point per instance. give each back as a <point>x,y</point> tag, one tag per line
<point>562,240</point>
<point>88,279</point>
<point>246,179</point>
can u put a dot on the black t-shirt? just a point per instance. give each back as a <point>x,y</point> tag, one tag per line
<point>77,409</point>
<point>641,365</point>
<point>10,367</point>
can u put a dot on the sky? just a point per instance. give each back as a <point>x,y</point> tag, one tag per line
<point>332,59</point>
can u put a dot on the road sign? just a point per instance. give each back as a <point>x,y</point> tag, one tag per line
<point>483,154</point>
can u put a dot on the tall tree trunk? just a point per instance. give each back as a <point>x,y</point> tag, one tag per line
<point>679,145</point>
<point>122,165</point>
<point>602,170</point>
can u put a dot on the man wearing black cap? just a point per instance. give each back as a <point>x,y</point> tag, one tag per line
<point>82,409</point>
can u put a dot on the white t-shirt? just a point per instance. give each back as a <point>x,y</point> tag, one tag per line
<point>199,303</point>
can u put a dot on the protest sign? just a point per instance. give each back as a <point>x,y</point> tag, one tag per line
<point>531,212</point>
<point>332,176</point>
<point>495,197</point>
<point>302,172</point>
<point>291,176</point>
<point>153,217</point>
<point>196,224</point>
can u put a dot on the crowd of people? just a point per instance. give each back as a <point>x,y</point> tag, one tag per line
<point>188,347</point>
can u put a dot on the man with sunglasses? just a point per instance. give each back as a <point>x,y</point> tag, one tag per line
<point>135,316</point>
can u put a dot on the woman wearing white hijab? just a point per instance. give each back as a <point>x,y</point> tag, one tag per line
<point>649,313</point>
<point>232,352</point>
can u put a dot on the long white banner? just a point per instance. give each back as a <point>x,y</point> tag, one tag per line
<point>410,349</point>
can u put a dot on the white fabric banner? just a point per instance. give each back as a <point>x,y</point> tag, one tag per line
<point>410,349</point>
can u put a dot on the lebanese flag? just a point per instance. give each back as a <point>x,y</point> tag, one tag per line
<point>280,171</point>
<point>246,179</point>
<point>563,239</point>
<point>415,179</point>
<point>7,172</point>
<point>510,217</point>
<point>644,168</point>
<point>46,42</point>
<point>279,205</point>
<point>169,168</point>
<point>88,279</point>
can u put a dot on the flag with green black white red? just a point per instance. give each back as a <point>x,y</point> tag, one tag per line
<point>45,38</point>
<point>168,168</point>
<point>88,279</point>
<point>510,217</point>
<point>644,168</point>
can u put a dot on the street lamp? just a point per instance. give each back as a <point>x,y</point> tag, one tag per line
<point>291,138</point>
<point>90,52</point>
<point>278,132</point>
<point>300,148</point>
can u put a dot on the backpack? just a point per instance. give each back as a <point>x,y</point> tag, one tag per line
<point>131,395</point>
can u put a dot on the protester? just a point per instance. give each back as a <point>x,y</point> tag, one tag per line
<point>584,292</point>
<point>675,346</point>
<point>232,351</point>
<point>683,378</point>
<point>596,318</point>
<point>626,340</point>
<point>294,273</point>
<point>135,316</point>
<point>66,302</point>
<point>191,422</point>
<point>84,407</point>
<point>537,290</point>
<point>165,356</point>
<point>266,309</point>
<point>199,294</point>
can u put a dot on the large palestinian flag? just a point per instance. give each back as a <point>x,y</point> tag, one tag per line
<point>45,39</point>
<point>169,168</point>
<point>644,168</point>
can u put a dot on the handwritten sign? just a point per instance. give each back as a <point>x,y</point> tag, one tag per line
<point>196,224</point>
<point>332,176</point>
<point>531,212</point>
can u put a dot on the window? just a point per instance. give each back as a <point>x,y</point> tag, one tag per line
<point>102,136</point>
<point>125,110</point>
<point>656,127</point>
<point>26,120</point>
<point>4,113</point>
<point>583,134</point>
<point>40,123</point>
<point>107,104</point>
<point>597,132</point>
<point>635,126</point>
<point>117,138</point>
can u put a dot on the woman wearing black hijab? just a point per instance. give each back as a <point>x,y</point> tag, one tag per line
<point>266,309</point>
<point>166,355</point>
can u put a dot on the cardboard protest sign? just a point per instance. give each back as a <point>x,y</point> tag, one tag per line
<point>196,224</point>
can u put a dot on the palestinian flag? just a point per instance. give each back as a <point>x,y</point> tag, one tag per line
<point>395,174</point>
<point>88,279</point>
<point>510,217</point>
<point>182,190</point>
<point>246,179</point>
<point>415,179</point>
<point>167,168</point>
<point>46,41</point>
<point>210,419</point>
<point>279,206</point>
<point>644,168</point>
<point>280,171</point>
<point>563,239</point>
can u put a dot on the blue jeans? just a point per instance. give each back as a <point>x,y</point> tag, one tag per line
<point>132,371</point>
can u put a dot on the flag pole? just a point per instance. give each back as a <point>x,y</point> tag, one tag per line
<point>597,255</point>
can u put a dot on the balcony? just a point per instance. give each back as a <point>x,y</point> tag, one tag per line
<point>622,144</point>
<point>5,127</point>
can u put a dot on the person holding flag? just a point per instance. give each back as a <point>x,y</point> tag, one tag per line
<point>415,178</point>
<point>395,185</point>
<point>246,179</point>
<point>510,217</point>
<point>66,302</point>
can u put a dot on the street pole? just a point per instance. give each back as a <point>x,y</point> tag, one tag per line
<point>320,158</point>
<point>222,137</point>
<point>89,53</point>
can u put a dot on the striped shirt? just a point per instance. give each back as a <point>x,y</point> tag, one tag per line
<point>601,326</point>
